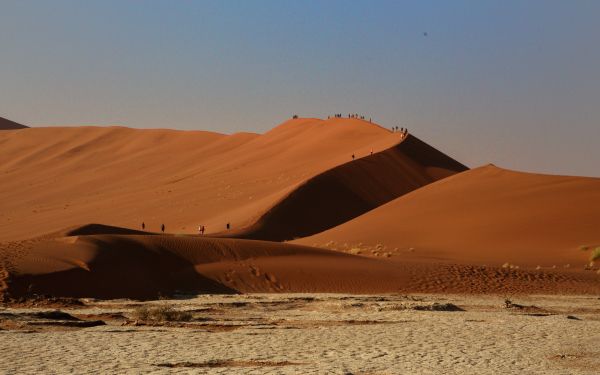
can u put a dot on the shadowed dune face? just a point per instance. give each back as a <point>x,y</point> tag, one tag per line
<point>486,216</point>
<point>54,178</point>
<point>146,266</point>
<point>10,125</point>
<point>351,189</point>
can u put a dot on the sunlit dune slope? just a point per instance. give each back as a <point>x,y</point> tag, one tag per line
<point>487,216</point>
<point>54,178</point>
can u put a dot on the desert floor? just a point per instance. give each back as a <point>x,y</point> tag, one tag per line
<point>307,334</point>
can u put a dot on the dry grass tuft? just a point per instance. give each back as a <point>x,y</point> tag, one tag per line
<point>161,313</point>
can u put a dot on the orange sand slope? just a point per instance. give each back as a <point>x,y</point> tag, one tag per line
<point>351,189</point>
<point>94,261</point>
<point>54,178</point>
<point>144,266</point>
<point>10,125</point>
<point>487,216</point>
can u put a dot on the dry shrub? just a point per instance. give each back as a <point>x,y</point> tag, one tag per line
<point>160,313</point>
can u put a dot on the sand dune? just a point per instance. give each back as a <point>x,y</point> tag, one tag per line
<point>145,266</point>
<point>6,124</point>
<point>108,262</point>
<point>60,177</point>
<point>486,216</point>
<point>401,219</point>
<point>351,189</point>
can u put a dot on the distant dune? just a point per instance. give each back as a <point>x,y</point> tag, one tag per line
<point>486,216</point>
<point>10,125</point>
<point>60,177</point>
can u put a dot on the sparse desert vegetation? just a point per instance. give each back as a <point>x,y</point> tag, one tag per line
<point>160,313</point>
<point>308,334</point>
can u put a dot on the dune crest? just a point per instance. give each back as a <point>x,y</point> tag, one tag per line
<point>351,189</point>
<point>146,266</point>
<point>62,177</point>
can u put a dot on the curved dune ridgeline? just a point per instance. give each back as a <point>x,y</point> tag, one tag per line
<point>101,265</point>
<point>401,218</point>
<point>147,266</point>
<point>351,189</point>
<point>486,216</point>
<point>54,178</point>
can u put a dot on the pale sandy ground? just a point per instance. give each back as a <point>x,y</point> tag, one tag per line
<point>318,334</point>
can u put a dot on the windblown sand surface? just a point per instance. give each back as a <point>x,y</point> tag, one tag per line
<point>401,218</point>
<point>485,216</point>
<point>54,178</point>
<point>308,334</point>
<point>109,262</point>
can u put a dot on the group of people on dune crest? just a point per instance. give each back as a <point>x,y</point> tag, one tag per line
<point>403,131</point>
<point>350,115</point>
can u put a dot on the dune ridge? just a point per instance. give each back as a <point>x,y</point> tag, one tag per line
<point>351,189</point>
<point>486,216</point>
<point>103,264</point>
<point>146,266</point>
<point>61,177</point>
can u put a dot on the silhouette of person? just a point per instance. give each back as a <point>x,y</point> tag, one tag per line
<point>162,228</point>
<point>228,226</point>
<point>202,229</point>
<point>352,156</point>
<point>143,225</point>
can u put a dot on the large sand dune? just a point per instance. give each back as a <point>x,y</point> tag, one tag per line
<point>6,124</point>
<point>487,215</point>
<point>399,218</point>
<point>351,189</point>
<point>54,178</point>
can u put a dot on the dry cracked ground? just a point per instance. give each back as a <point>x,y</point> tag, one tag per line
<point>304,334</point>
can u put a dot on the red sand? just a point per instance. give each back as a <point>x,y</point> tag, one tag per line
<point>147,266</point>
<point>351,189</point>
<point>54,178</point>
<point>486,216</point>
<point>421,231</point>
<point>144,266</point>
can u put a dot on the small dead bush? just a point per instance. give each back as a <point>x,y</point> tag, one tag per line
<point>438,307</point>
<point>160,313</point>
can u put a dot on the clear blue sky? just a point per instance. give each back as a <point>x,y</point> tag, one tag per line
<point>515,83</point>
